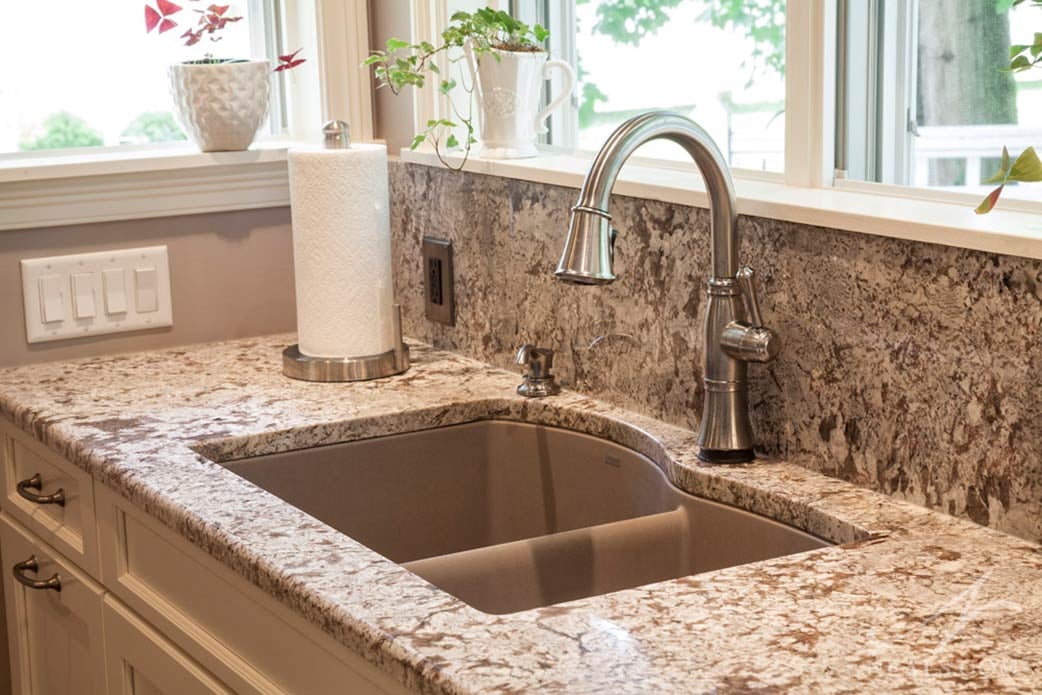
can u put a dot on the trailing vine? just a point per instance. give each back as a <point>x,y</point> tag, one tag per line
<point>404,64</point>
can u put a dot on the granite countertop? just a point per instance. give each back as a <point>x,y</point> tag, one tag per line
<point>911,599</point>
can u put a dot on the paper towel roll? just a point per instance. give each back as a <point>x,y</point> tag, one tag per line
<point>342,250</point>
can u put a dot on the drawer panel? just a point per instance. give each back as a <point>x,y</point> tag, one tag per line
<point>243,636</point>
<point>69,527</point>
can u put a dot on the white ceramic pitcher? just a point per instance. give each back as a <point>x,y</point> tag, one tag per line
<point>509,91</point>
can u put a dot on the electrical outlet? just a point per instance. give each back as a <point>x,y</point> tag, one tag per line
<point>437,280</point>
<point>95,293</point>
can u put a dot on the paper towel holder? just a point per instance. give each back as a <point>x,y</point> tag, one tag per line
<point>297,365</point>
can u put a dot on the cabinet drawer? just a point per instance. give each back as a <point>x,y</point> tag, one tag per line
<point>142,662</point>
<point>68,526</point>
<point>244,637</point>
<point>55,637</point>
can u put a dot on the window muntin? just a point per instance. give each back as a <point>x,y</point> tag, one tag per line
<point>89,76</point>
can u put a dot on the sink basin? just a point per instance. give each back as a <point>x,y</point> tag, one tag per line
<point>509,516</point>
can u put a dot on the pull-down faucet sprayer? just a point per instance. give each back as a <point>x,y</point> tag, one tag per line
<point>734,333</point>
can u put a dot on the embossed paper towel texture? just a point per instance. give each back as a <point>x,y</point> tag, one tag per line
<point>342,250</point>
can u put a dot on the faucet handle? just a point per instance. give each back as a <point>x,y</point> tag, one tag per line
<point>746,280</point>
<point>749,341</point>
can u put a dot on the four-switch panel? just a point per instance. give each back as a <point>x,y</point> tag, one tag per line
<point>95,293</point>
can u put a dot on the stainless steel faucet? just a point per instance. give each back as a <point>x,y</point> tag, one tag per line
<point>734,331</point>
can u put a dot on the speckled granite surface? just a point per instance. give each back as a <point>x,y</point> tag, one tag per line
<point>914,600</point>
<point>908,368</point>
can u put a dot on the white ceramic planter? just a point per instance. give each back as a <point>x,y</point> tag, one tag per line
<point>221,106</point>
<point>509,91</point>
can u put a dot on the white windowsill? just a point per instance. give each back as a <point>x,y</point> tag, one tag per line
<point>1016,233</point>
<point>96,186</point>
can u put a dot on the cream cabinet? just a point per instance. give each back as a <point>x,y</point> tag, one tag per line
<point>141,662</point>
<point>102,598</point>
<point>54,624</point>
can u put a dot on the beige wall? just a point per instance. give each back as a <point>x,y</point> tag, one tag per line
<point>231,276</point>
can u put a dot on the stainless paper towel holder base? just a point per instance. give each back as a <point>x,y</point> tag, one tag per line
<point>297,365</point>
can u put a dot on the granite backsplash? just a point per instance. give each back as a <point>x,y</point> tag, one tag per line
<point>909,368</point>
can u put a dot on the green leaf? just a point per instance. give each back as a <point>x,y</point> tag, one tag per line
<point>541,34</point>
<point>417,141</point>
<point>394,44</point>
<point>1020,63</point>
<point>432,66</point>
<point>1027,168</point>
<point>1000,175</point>
<point>1016,49</point>
<point>447,86</point>
<point>372,59</point>
<point>451,141</point>
<point>988,203</point>
<point>426,47</point>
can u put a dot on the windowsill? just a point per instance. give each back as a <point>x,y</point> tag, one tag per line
<point>1010,232</point>
<point>83,187</point>
<point>43,166</point>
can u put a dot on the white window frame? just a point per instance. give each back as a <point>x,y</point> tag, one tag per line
<point>809,191</point>
<point>102,184</point>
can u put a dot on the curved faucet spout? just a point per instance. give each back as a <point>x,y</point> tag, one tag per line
<point>661,125</point>
<point>731,341</point>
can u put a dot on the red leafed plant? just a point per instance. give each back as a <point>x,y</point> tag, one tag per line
<point>212,20</point>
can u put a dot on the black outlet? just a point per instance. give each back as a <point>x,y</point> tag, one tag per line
<point>437,280</point>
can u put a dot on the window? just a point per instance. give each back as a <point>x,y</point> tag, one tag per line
<point>720,62</point>
<point>85,74</point>
<point>924,99</point>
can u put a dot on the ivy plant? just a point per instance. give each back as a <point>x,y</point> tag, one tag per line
<point>1026,168</point>
<point>405,64</point>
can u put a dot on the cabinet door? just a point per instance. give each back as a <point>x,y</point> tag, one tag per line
<point>55,635</point>
<point>143,662</point>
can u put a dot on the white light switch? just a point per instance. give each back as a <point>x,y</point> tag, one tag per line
<point>83,295</point>
<point>115,289</point>
<point>145,297</point>
<point>93,293</point>
<point>52,298</point>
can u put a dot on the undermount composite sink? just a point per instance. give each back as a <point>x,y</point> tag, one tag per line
<point>509,516</point>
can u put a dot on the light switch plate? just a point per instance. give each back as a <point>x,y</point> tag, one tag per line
<point>112,312</point>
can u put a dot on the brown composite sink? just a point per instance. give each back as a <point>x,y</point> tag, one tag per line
<point>508,516</point>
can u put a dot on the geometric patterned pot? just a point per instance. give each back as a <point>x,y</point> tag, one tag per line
<point>221,106</point>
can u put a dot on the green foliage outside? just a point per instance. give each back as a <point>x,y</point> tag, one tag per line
<point>62,130</point>
<point>629,22</point>
<point>154,126</point>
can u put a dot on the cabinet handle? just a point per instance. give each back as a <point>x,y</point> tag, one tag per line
<point>31,565</point>
<point>34,483</point>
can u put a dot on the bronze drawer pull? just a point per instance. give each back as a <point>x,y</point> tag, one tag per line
<point>34,483</point>
<point>31,565</point>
